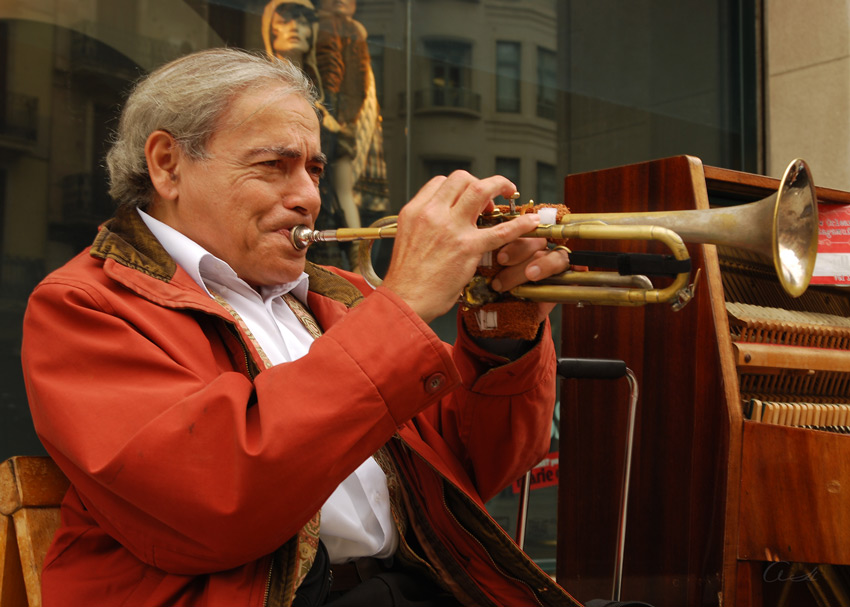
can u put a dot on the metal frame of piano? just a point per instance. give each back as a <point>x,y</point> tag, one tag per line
<point>718,504</point>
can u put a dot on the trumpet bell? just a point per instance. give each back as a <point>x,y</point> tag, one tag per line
<point>794,242</point>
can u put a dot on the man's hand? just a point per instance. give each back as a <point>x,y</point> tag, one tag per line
<point>438,245</point>
<point>527,259</point>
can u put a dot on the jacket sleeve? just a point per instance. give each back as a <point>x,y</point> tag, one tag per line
<point>188,463</point>
<point>499,424</point>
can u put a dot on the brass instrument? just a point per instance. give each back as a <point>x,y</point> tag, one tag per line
<point>782,227</point>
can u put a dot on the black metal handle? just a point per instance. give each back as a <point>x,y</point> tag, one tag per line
<point>591,368</point>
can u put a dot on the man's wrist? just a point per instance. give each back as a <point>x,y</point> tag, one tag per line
<point>506,347</point>
<point>510,318</point>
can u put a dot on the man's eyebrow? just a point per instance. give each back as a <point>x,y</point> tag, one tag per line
<point>285,152</point>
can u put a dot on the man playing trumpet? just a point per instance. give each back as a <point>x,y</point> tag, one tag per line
<point>241,427</point>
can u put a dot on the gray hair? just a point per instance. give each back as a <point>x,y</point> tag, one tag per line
<point>186,98</point>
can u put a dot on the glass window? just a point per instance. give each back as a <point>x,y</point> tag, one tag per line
<point>633,82</point>
<point>547,188</point>
<point>509,167</point>
<point>547,81</point>
<point>507,76</point>
<point>451,76</point>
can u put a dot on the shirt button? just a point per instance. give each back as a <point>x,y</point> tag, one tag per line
<point>434,382</point>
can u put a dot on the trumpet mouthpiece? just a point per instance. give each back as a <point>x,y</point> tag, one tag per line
<point>302,237</point>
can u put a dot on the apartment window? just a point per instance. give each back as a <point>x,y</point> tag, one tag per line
<point>547,190</point>
<point>451,74</point>
<point>509,167</point>
<point>507,76</point>
<point>547,83</point>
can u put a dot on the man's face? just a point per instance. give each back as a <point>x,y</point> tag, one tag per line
<point>292,31</point>
<point>261,179</point>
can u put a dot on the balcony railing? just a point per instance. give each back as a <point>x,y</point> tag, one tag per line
<point>546,109</point>
<point>81,203</point>
<point>445,99</point>
<point>19,117</point>
<point>89,54</point>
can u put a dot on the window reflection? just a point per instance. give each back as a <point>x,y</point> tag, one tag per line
<point>510,168</point>
<point>507,76</point>
<point>547,83</point>
<point>527,88</point>
<point>450,77</point>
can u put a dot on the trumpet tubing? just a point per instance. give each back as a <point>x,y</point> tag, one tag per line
<point>782,227</point>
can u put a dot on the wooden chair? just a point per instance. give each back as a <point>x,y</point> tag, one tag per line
<point>31,489</point>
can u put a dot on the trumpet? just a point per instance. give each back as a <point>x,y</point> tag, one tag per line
<point>782,227</point>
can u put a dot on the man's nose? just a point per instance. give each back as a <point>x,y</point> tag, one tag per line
<point>303,194</point>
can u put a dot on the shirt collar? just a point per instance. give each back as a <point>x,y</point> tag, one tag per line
<point>202,265</point>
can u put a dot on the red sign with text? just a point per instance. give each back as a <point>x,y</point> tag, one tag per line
<point>833,261</point>
<point>544,474</point>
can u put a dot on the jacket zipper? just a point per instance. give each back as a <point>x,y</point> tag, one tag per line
<point>268,583</point>
<point>245,352</point>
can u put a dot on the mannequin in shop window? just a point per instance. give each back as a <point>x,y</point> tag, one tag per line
<point>290,30</point>
<point>344,62</point>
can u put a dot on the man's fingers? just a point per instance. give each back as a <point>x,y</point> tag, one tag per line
<point>540,265</point>
<point>499,235</point>
<point>428,191</point>
<point>557,260</point>
<point>520,250</point>
<point>439,244</point>
<point>479,194</point>
<point>466,196</point>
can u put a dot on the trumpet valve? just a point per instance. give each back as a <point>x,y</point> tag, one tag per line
<point>514,197</point>
<point>478,292</point>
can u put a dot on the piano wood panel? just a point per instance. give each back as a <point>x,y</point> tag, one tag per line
<point>680,448</point>
<point>693,512</point>
<point>795,495</point>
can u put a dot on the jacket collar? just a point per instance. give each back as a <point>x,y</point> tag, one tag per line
<point>127,240</point>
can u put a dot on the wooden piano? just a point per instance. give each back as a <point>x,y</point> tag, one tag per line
<point>722,510</point>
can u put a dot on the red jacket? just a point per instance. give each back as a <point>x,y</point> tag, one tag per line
<point>190,467</point>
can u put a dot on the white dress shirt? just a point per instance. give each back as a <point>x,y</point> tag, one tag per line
<point>356,518</point>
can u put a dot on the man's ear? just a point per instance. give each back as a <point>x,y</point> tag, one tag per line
<point>163,157</point>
